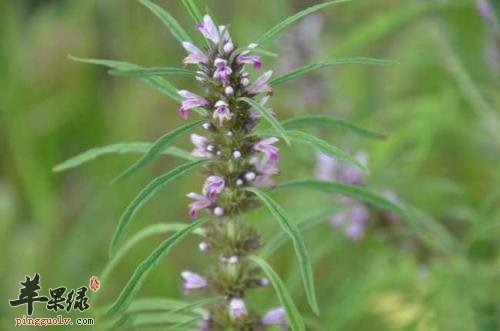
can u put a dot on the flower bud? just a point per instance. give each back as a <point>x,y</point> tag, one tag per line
<point>228,47</point>
<point>229,90</point>
<point>236,155</point>
<point>250,176</point>
<point>203,246</point>
<point>219,211</point>
<point>239,182</point>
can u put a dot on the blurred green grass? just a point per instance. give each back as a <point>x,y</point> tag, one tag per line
<point>440,107</point>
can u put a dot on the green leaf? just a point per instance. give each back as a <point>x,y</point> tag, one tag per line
<point>148,72</point>
<point>305,224</point>
<point>147,193</point>
<point>143,270</point>
<point>299,72</point>
<point>329,122</point>
<point>120,148</point>
<point>351,191</point>
<point>292,19</point>
<point>321,145</point>
<point>193,11</point>
<point>294,318</point>
<point>150,231</point>
<point>167,19</point>
<point>161,144</point>
<point>268,116</point>
<point>298,243</point>
<point>158,83</point>
<point>154,304</point>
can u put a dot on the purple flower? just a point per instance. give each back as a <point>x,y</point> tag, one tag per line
<point>208,29</point>
<point>485,9</point>
<point>222,71</point>
<point>260,85</point>
<point>353,220</point>
<point>221,112</point>
<point>325,167</point>
<point>200,202</point>
<point>195,54</point>
<point>237,308</point>
<point>266,146</point>
<point>329,169</point>
<point>192,281</point>
<point>264,181</point>
<point>392,217</point>
<point>249,59</point>
<point>224,33</point>
<point>263,166</point>
<point>201,144</point>
<point>213,187</point>
<point>190,101</point>
<point>352,175</point>
<point>205,323</point>
<point>275,317</point>
<point>254,115</point>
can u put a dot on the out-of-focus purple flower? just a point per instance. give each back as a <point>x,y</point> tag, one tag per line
<point>208,29</point>
<point>250,59</point>
<point>200,202</point>
<point>213,186</point>
<point>275,317</point>
<point>195,54</point>
<point>266,147</point>
<point>261,85</point>
<point>329,169</point>
<point>222,71</point>
<point>353,220</point>
<point>392,217</point>
<point>201,144</point>
<point>190,101</point>
<point>222,112</point>
<point>254,115</point>
<point>325,167</point>
<point>352,175</point>
<point>485,9</point>
<point>237,308</point>
<point>205,323</point>
<point>192,281</point>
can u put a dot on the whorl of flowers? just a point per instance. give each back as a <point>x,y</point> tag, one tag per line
<point>239,160</point>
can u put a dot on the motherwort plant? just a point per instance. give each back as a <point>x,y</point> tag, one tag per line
<point>239,160</point>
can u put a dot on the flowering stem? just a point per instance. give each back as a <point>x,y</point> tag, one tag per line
<point>239,159</point>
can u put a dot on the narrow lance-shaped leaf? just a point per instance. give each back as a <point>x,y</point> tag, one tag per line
<point>329,122</point>
<point>158,83</point>
<point>294,318</point>
<point>351,191</point>
<point>143,270</point>
<point>148,72</point>
<point>268,116</point>
<point>298,243</point>
<point>167,19</point>
<point>159,145</point>
<point>147,193</point>
<point>299,72</point>
<point>321,145</point>
<point>292,19</point>
<point>150,231</point>
<point>278,240</point>
<point>193,11</point>
<point>120,148</point>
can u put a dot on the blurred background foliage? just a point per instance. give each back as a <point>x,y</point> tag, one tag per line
<point>439,270</point>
